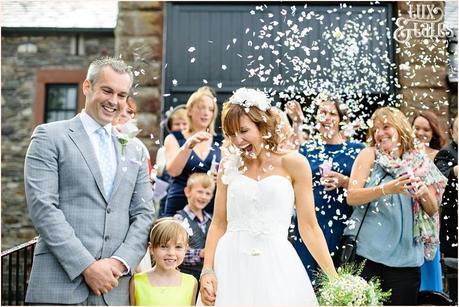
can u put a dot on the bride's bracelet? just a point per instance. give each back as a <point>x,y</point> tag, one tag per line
<point>206,271</point>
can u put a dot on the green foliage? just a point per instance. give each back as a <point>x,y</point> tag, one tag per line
<point>349,289</point>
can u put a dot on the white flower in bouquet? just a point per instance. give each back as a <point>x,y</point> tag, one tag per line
<point>349,289</point>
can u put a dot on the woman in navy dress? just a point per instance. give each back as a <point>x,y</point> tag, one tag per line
<point>194,150</point>
<point>428,132</point>
<point>331,157</point>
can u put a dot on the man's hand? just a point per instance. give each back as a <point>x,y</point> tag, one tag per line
<point>118,265</point>
<point>102,275</point>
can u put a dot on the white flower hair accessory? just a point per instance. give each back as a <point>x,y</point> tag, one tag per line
<point>248,97</point>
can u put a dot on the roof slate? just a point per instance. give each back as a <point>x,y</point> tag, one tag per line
<point>88,14</point>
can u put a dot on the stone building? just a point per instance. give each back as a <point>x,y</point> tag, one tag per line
<point>423,63</point>
<point>53,46</point>
<point>43,54</point>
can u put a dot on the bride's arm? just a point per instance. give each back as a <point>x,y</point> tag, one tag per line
<point>311,234</point>
<point>216,230</point>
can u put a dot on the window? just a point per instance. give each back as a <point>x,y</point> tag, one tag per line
<point>61,101</point>
<point>59,94</point>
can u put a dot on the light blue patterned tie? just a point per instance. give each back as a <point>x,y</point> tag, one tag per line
<point>107,163</point>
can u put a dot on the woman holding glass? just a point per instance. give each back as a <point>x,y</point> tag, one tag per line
<point>402,188</point>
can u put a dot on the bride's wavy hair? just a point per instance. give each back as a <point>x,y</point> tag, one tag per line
<point>267,122</point>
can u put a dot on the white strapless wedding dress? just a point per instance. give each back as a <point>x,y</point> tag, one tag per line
<point>254,262</point>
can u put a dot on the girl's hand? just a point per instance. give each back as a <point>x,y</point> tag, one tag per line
<point>208,289</point>
<point>294,111</point>
<point>196,139</point>
<point>398,185</point>
<point>333,180</point>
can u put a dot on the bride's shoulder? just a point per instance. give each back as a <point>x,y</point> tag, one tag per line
<point>296,166</point>
<point>294,160</point>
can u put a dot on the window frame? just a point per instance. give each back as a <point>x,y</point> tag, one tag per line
<point>66,86</point>
<point>58,77</point>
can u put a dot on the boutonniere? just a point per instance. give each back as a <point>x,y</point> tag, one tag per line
<point>124,140</point>
<point>129,131</point>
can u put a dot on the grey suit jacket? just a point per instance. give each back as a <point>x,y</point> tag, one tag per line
<point>76,222</point>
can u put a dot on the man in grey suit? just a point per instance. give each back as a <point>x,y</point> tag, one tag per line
<point>89,198</point>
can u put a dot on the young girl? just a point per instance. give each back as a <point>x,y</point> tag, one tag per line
<point>164,284</point>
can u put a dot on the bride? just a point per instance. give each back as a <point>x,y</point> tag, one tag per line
<point>248,259</point>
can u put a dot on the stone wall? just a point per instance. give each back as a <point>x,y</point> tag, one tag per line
<point>18,103</point>
<point>139,39</point>
<point>423,69</point>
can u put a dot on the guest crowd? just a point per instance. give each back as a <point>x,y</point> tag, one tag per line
<point>92,191</point>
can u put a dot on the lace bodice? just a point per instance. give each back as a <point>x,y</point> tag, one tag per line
<point>261,207</point>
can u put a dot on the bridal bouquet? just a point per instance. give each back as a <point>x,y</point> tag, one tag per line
<point>349,289</point>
